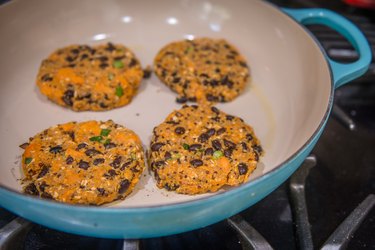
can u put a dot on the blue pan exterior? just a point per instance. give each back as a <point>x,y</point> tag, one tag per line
<point>164,220</point>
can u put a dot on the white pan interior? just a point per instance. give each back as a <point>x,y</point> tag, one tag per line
<point>285,101</point>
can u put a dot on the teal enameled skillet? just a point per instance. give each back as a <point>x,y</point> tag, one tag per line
<point>288,100</point>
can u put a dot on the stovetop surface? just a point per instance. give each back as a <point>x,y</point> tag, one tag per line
<point>342,178</point>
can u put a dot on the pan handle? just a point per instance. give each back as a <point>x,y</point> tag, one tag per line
<point>342,72</point>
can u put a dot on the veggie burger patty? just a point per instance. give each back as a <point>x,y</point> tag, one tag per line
<point>83,163</point>
<point>202,70</point>
<point>200,149</point>
<point>96,78</point>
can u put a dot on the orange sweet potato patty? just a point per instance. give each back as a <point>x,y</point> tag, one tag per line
<point>95,78</point>
<point>83,163</point>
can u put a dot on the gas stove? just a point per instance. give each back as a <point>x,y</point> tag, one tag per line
<point>328,203</point>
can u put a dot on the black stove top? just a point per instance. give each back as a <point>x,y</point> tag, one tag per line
<point>327,203</point>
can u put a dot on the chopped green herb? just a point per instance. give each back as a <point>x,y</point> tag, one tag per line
<point>133,156</point>
<point>105,132</point>
<point>119,91</point>
<point>107,141</point>
<point>186,146</point>
<point>96,138</point>
<point>217,154</point>
<point>118,64</point>
<point>28,160</point>
<point>176,156</point>
<point>111,76</point>
<point>189,49</point>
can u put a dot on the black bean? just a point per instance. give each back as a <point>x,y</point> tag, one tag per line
<point>216,118</point>
<point>229,117</point>
<point>222,98</point>
<point>31,189</point>
<point>103,65</point>
<point>156,146</point>
<point>249,137</point>
<point>243,64</point>
<point>258,149</point>
<point>176,79</point>
<point>75,51</point>
<point>109,145</point>
<point>112,172</point>
<point>116,162</point>
<point>118,58</point>
<point>84,56</point>
<point>102,58</point>
<point>226,81</point>
<point>215,110</point>
<point>180,130</point>
<point>98,161</point>
<point>220,131</point>
<point>195,147</point>
<point>228,152</point>
<point>69,59</point>
<point>193,99</point>
<point>244,146</point>
<point>171,187</point>
<point>125,165</point>
<point>56,149</point>
<point>203,138</point>
<point>69,160</point>
<point>101,191</point>
<point>193,106</point>
<point>110,47</point>
<point>147,73</point>
<point>81,145</point>
<point>159,163</point>
<point>230,84</point>
<point>67,97</point>
<point>256,156</point>
<point>83,164</point>
<point>209,151</point>
<point>46,78</point>
<point>71,134</point>
<point>211,132</point>
<point>196,162</point>
<point>24,145</point>
<point>214,83</point>
<point>43,172</point>
<point>43,186</point>
<point>124,185</point>
<point>181,99</point>
<point>230,56</point>
<point>46,196</point>
<point>132,63</point>
<point>173,122</point>
<point>92,152</point>
<point>242,168</point>
<point>167,155</point>
<point>229,144</point>
<point>212,98</point>
<point>216,144</point>
<point>102,105</point>
<point>217,70</point>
